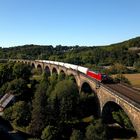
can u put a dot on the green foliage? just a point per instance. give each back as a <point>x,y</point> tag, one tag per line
<point>122,119</point>
<point>117,69</point>
<point>121,78</point>
<point>137,65</point>
<point>77,135</point>
<point>52,82</point>
<point>7,113</point>
<point>39,109</point>
<point>53,111</point>
<point>17,87</point>
<point>6,72</point>
<point>3,88</point>
<point>49,133</point>
<point>19,113</point>
<point>21,70</point>
<point>33,139</point>
<point>96,131</point>
<point>67,93</point>
<point>61,76</point>
<point>125,53</point>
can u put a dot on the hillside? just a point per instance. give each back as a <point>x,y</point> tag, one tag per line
<point>126,52</point>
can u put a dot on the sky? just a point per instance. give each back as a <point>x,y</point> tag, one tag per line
<point>68,22</point>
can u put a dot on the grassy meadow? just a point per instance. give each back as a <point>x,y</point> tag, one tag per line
<point>134,79</point>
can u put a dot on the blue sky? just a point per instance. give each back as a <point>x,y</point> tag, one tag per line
<point>68,22</point>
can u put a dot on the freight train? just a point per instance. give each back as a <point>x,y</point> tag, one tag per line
<point>94,75</point>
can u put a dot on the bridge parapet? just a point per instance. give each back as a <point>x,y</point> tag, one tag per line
<point>131,102</point>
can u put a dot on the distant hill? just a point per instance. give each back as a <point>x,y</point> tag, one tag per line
<point>134,42</point>
<point>126,52</point>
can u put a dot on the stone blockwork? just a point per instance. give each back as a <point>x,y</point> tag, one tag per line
<point>103,94</point>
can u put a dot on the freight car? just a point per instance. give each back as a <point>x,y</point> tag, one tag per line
<point>95,75</point>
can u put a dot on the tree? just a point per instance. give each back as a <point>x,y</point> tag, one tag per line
<point>68,95</point>
<point>53,111</point>
<point>8,113</point>
<point>6,73</point>
<point>19,88</point>
<point>49,133</point>
<point>21,70</point>
<point>3,89</point>
<point>21,113</point>
<point>122,119</point>
<point>38,120</point>
<point>77,135</point>
<point>52,82</point>
<point>117,69</point>
<point>96,131</point>
<point>121,78</point>
<point>137,65</point>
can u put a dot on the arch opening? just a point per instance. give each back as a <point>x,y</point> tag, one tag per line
<point>47,70</point>
<point>86,89</point>
<point>39,69</point>
<point>62,75</point>
<point>117,120</point>
<point>91,105</point>
<point>33,65</point>
<point>71,77</point>
<point>55,73</point>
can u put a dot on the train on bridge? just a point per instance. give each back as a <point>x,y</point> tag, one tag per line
<point>95,75</point>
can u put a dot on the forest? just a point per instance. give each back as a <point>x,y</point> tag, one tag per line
<point>50,107</point>
<point>126,53</point>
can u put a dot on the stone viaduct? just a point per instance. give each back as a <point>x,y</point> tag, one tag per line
<point>105,95</point>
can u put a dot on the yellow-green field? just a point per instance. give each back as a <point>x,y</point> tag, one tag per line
<point>134,79</point>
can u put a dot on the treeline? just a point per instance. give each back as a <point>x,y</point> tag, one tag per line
<point>126,53</point>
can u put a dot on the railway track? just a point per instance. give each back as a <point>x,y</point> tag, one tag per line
<point>126,91</point>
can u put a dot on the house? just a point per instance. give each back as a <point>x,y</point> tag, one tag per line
<point>5,100</point>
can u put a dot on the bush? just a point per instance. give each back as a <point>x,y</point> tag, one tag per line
<point>121,78</point>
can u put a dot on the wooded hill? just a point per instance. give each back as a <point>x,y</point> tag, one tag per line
<point>126,53</point>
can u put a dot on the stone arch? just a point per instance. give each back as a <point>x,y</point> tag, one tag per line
<point>33,65</point>
<point>107,110</point>
<point>86,88</point>
<point>47,70</point>
<point>73,78</point>
<point>62,74</point>
<point>39,68</point>
<point>92,103</point>
<point>111,106</point>
<point>54,71</point>
<point>62,71</point>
